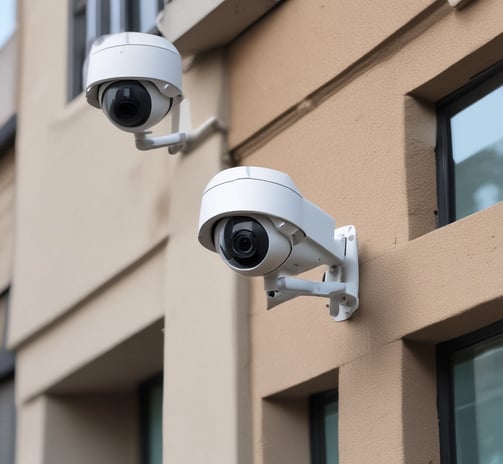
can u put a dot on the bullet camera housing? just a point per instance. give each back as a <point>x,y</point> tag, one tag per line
<point>260,224</point>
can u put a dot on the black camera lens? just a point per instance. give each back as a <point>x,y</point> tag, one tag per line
<point>128,103</point>
<point>244,242</point>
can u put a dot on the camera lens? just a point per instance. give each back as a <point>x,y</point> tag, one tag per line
<point>244,242</point>
<point>128,103</point>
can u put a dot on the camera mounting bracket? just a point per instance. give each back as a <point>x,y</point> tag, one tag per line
<point>339,284</point>
<point>180,141</point>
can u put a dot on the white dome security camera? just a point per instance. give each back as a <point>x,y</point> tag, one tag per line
<point>136,79</point>
<point>260,224</point>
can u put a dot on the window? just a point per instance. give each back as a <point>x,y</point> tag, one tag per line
<point>93,18</point>
<point>7,407</point>
<point>470,397</point>
<point>7,20</point>
<point>324,427</point>
<point>151,420</point>
<point>470,147</point>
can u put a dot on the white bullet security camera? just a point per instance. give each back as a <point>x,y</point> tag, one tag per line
<point>136,79</point>
<point>260,224</point>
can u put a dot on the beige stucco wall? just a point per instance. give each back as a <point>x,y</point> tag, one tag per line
<point>110,284</point>
<point>313,43</point>
<point>347,110</point>
<point>101,428</point>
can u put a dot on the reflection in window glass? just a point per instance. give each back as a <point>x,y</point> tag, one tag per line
<point>7,420</point>
<point>331,432</point>
<point>151,420</point>
<point>7,400</point>
<point>146,12</point>
<point>7,20</point>
<point>477,376</point>
<point>324,419</point>
<point>477,151</point>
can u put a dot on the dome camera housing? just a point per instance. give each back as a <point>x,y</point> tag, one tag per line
<point>258,222</point>
<point>135,78</point>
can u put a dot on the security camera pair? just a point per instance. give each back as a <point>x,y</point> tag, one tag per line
<point>255,218</point>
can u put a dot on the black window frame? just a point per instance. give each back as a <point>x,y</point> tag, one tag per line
<point>317,403</point>
<point>8,136</point>
<point>478,87</point>
<point>445,385</point>
<point>7,358</point>
<point>7,371</point>
<point>144,390</point>
<point>7,364</point>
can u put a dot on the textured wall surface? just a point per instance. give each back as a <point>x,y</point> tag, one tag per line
<point>341,96</point>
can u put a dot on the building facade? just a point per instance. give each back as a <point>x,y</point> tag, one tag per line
<point>134,344</point>
<point>8,64</point>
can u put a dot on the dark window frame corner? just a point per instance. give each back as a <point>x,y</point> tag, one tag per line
<point>479,86</point>
<point>445,385</point>
<point>8,133</point>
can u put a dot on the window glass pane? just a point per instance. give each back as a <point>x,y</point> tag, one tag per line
<point>155,426</point>
<point>103,20</point>
<point>7,404</point>
<point>478,403</point>
<point>148,14</point>
<point>3,323</point>
<point>143,14</point>
<point>7,421</point>
<point>324,424</point>
<point>332,432</point>
<point>7,20</point>
<point>118,12</point>
<point>78,48</point>
<point>477,151</point>
<point>151,420</point>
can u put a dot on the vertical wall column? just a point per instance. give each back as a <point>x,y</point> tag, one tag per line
<point>206,382</point>
<point>31,420</point>
<point>388,406</point>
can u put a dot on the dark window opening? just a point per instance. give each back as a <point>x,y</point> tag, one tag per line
<point>150,394</point>
<point>470,397</point>
<point>324,427</point>
<point>7,400</point>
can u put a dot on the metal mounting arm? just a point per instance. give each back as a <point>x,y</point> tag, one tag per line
<point>340,283</point>
<point>180,141</point>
